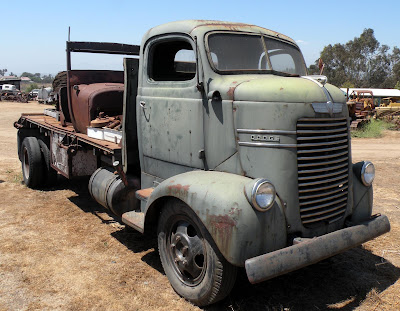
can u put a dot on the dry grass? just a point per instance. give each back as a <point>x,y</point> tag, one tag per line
<point>59,250</point>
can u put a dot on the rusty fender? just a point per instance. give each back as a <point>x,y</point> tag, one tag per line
<point>218,199</point>
<point>268,266</point>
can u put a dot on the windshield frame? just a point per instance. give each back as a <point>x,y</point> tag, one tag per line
<point>251,71</point>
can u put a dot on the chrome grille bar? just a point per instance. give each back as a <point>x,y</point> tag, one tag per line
<point>323,169</point>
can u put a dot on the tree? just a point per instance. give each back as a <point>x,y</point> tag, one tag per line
<point>397,86</point>
<point>347,84</point>
<point>313,70</point>
<point>34,77</point>
<point>47,78</point>
<point>31,87</point>
<point>361,62</point>
<point>3,71</point>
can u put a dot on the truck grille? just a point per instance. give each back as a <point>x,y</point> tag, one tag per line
<point>323,169</point>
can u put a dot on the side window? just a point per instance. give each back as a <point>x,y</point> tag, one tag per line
<point>172,61</point>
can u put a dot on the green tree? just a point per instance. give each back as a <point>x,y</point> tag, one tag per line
<point>31,87</point>
<point>3,71</point>
<point>395,60</point>
<point>34,77</point>
<point>397,86</point>
<point>347,84</point>
<point>313,70</point>
<point>361,62</point>
<point>47,78</point>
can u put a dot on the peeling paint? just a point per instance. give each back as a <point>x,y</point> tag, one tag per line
<point>222,222</point>
<point>178,190</point>
<point>231,92</point>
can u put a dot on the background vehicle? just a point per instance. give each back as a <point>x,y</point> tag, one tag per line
<point>8,88</point>
<point>216,139</point>
<point>33,94</point>
<point>45,95</point>
<point>11,93</point>
<point>389,107</point>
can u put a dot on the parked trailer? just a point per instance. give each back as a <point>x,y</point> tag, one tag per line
<point>232,157</point>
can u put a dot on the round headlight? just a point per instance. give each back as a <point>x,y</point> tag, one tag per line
<point>367,173</point>
<point>263,195</point>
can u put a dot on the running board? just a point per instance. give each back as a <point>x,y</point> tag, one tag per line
<point>134,219</point>
<point>144,194</point>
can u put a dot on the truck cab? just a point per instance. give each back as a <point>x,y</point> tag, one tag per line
<point>8,88</point>
<point>231,153</point>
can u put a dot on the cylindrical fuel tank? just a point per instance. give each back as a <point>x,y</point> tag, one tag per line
<point>108,190</point>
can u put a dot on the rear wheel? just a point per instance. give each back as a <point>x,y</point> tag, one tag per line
<point>192,262</point>
<point>32,165</point>
<point>50,174</point>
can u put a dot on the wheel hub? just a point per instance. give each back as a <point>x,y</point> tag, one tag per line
<point>187,253</point>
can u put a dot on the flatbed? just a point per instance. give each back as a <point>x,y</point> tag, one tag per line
<point>52,124</point>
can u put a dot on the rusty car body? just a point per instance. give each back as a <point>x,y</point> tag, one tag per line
<point>234,156</point>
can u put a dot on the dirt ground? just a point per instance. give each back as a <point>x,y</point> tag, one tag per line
<point>59,250</point>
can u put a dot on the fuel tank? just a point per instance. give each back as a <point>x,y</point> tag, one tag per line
<point>107,189</point>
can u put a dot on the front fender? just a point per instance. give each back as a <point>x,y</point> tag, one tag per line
<point>218,199</point>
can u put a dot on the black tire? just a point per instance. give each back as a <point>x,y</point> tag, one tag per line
<point>192,262</point>
<point>32,164</point>
<point>50,174</point>
<point>22,133</point>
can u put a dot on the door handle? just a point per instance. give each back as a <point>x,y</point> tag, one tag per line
<point>143,104</point>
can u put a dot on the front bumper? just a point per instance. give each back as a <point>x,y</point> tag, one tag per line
<point>268,266</point>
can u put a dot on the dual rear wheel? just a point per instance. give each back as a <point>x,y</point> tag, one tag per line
<point>35,160</point>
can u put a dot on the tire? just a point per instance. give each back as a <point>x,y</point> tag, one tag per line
<point>22,133</point>
<point>192,262</point>
<point>32,163</point>
<point>50,174</point>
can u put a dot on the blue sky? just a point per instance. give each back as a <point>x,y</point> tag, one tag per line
<point>33,37</point>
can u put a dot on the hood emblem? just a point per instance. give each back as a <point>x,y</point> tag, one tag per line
<point>329,106</point>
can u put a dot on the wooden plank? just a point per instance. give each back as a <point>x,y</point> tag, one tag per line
<point>51,123</point>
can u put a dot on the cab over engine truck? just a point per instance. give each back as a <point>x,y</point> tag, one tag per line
<point>227,149</point>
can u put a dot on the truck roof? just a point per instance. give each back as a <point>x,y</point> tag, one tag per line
<point>200,27</point>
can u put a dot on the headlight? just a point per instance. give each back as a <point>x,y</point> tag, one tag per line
<point>262,194</point>
<point>367,173</point>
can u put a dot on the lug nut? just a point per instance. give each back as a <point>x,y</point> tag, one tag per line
<point>185,262</point>
<point>184,249</point>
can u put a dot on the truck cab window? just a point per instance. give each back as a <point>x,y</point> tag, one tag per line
<point>250,53</point>
<point>172,61</point>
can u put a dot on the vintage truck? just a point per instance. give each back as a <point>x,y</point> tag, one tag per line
<point>216,139</point>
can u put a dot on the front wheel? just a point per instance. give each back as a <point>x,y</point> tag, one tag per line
<point>192,262</point>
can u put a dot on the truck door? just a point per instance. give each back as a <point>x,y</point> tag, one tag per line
<point>169,108</point>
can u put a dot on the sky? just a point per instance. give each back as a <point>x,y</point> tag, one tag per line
<point>34,34</point>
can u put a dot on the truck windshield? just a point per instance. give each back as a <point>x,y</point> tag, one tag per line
<point>247,53</point>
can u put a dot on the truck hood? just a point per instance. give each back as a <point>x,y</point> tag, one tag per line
<point>272,88</point>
